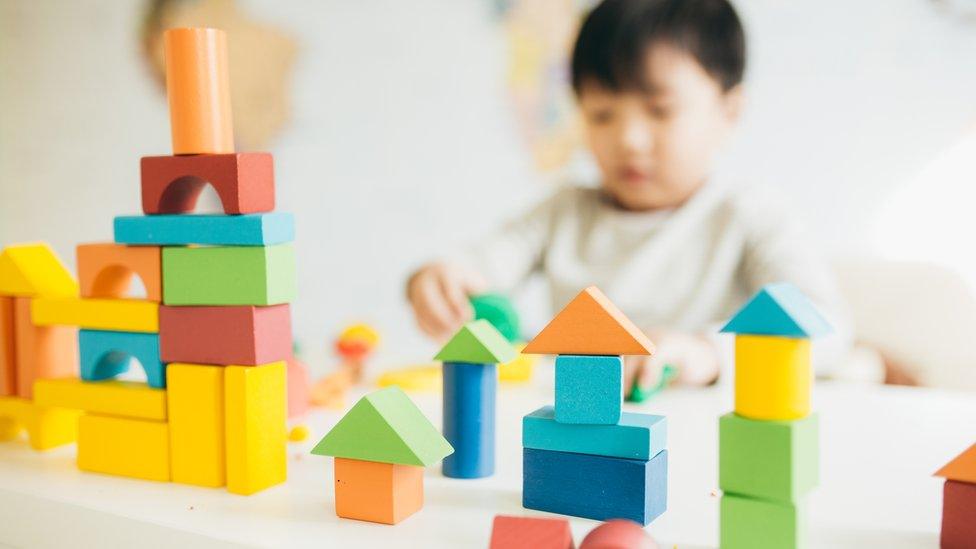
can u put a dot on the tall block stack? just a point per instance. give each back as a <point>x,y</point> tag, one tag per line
<point>584,456</point>
<point>213,331</point>
<point>768,447</point>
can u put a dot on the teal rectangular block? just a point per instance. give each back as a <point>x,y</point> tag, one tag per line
<point>229,275</point>
<point>589,389</point>
<point>636,436</point>
<point>775,460</point>
<point>215,230</point>
<point>748,523</point>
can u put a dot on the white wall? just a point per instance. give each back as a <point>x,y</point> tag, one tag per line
<point>403,142</point>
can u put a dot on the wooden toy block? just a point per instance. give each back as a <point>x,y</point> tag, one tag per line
<point>589,389</point>
<point>111,398</point>
<point>962,467</point>
<point>775,460</point>
<point>213,230</point>
<point>772,377</point>
<point>595,487</point>
<point>748,523</point>
<point>385,493</point>
<point>618,534</point>
<point>590,325</point>
<point>123,315</point>
<point>530,533</point>
<point>46,427</point>
<point>198,87</point>
<point>33,270</point>
<point>519,369</point>
<point>299,388</point>
<point>8,352</point>
<point>636,436</point>
<point>41,351</point>
<point>778,310</point>
<point>387,427</point>
<point>106,270</point>
<point>414,378</point>
<point>106,354</point>
<point>256,275</point>
<point>243,335</point>
<point>256,436</point>
<point>196,423</point>
<point>469,419</point>
<point>243,181</point>
<point>958,515</point>
<point>477,342</point>
<point>125,447</point>
<point>499,311</point>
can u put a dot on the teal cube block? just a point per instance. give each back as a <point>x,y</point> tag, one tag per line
<point>636,436</point>
<point>775,460</point>
<point>748,523</point>
<point>589,389</point>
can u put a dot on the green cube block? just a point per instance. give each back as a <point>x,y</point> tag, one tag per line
<point>748,523</point>
<point>229,275</point>
<point>775,460</point>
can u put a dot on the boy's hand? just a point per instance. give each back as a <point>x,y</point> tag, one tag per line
<point>694,357</point>
<point>438,293</point>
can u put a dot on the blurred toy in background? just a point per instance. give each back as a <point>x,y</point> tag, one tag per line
<point>354,346</point>
<point>417,378</point>
<point>299,397</point>
<point>499,311</point>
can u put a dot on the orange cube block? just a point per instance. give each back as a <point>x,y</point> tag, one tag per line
<point>41,351</point>
<point>8,360</point>
<point>106,270</point>
<point>377,492</point>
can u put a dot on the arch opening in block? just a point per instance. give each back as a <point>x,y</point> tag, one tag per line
<point>118,281</point>
<point>116,271</point>
<point>191,194</point>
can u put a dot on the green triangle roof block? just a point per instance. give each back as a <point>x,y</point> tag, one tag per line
<point>477,342</point>
<point>779,310</point>
<point>385,426</point>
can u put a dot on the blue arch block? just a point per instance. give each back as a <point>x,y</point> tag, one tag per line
<point>105,354</point>
<point>469,419</point>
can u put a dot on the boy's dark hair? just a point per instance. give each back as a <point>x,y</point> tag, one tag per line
<point>615,37</point>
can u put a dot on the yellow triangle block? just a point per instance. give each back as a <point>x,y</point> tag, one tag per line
<point>590,325</point>
<point>32,270</point>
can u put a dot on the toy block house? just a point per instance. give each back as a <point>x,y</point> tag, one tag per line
<point>381,447</point>
<point>768,447</point>
<point>470,374</point>
<point>584,456</point>
<point>959,501</point>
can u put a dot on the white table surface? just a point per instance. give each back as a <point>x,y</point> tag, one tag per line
<point>879,447</point>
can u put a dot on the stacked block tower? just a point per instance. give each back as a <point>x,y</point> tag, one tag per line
<point>584,456</point>
<point>213,331</point>
<point>768,447</point>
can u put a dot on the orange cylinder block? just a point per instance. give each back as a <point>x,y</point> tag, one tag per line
<point>198,86</point>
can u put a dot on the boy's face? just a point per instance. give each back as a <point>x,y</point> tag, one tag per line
<point>655,148</point>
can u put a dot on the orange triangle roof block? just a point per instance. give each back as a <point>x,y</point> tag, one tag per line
<point>962,468</point>
<point>590,325</point>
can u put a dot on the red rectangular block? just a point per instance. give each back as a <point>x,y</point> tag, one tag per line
<point>958,515</point>
<point>172,184</point>
<point>245,336</point>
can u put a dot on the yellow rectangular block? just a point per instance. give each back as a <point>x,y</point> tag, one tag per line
<point>120,315</point>
<point>111,397</point>
<point>772,377</point>
<point>196,423</point>
<point>126,447</point>
<point>46,427</point>
<point>256,431</point>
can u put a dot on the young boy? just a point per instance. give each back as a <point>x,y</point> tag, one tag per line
<point>658,83</point>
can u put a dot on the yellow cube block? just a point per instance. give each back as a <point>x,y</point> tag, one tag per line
<point>256,436</point>
<point>772,377</point>
<point>196,423</point>
<point>126,447</point>
<point>47,427</point>
<point>111,397</point>
<point>121,315</point>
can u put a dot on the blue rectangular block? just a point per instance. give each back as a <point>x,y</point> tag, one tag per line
<point>637,436</point>
<point>106,354</point>
<point>218,230</point>
<point>589,389</point>
<point>595,487</point>
<point>469,419</point>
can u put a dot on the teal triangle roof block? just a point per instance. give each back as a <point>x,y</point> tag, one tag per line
<point>778,309</point>
<point>477,342</point>
<point>387,427</point>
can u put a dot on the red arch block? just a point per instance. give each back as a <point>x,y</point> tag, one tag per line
<point>172,184</point>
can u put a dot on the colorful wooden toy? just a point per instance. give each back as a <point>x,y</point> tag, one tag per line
<point>772,377</point>
<point>589,389</point>
<point>195,396</point>
<point>255,275</point>
<point>120,315</point>
<point>34,270</point>
<point>243,181</point>
<point>299,388</point>
<point>381,447</point>
<point>111,398</point>
<point>959,501</point>
<point>126,447</point>
<point>530,533</point>
<point>519,369</point>
<point>748,523</point>
<point>106,270</point>
<point>618,534</point>
<point>8,352</point>
<point>264,229</point>
<point>499,311</point>
<point>414,378</point>
<point>255,414</point>
<point>198,87</point>
<point>778,310</point>
<point>106,354</point>
<point>41,351</point>
<point>636,436</point>
<point>244,335</point>
<point>46,427</point>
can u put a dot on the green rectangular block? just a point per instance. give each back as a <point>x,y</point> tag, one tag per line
<point>748,523</point>
<point>775,460</point>
<point>229,275</point>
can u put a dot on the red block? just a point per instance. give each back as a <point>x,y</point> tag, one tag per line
<point>172,184</point>
<point>958,515</point>
<point>618,534</point>
<point>530,533</point>
<point>245,336</point>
